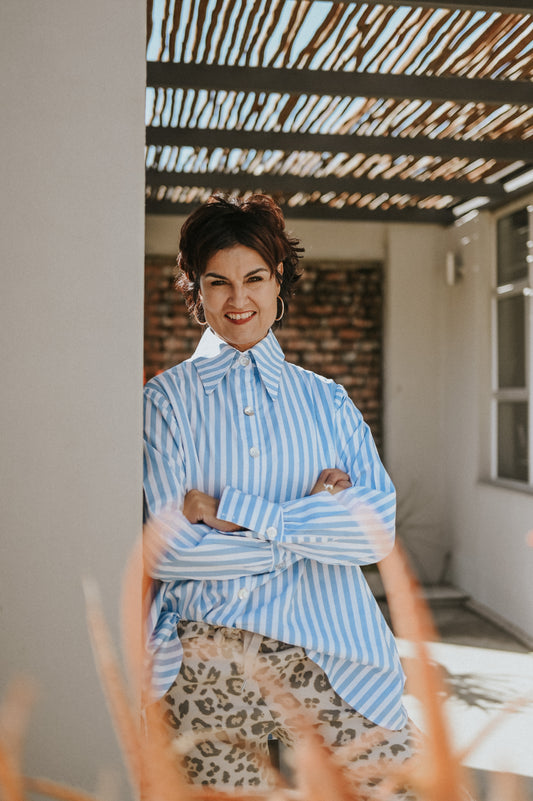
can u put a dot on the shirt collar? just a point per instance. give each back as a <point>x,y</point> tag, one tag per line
<point>213,358</point>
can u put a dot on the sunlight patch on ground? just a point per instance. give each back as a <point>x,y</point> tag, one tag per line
<point>482,682</point>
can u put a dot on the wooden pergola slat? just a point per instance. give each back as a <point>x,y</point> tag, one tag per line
<point>461,5</point>
<point>291,184</point>
<point>510,150</point>
<point>347,84</point>
<point>436,112</point>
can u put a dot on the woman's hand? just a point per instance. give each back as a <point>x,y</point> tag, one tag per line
<point>201,508</point>
<point>331,480</point>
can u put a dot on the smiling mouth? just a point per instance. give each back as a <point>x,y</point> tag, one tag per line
<point>240,317</point>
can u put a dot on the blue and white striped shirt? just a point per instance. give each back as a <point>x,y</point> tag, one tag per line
<point>256,432</point>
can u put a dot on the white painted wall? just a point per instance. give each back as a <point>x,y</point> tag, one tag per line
<point>72,143</point>
<point>321,239</point>
<point>488,523</point>
<point>414,380</point>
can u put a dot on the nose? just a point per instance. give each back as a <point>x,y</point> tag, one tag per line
<point>238,296</point>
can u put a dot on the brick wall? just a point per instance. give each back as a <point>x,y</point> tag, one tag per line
<point>334,327</point>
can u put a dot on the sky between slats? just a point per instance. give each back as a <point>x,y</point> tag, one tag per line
<point>362,37</point>
<point>332,37</point>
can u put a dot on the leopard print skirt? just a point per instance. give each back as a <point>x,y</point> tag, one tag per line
<point>236,691</point>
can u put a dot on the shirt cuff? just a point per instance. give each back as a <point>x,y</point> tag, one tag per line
<point>264,518</point>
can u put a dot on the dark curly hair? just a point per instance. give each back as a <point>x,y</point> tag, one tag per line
<point>222,222</point>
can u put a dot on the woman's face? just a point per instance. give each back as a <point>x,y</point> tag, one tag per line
<point>239,296</point>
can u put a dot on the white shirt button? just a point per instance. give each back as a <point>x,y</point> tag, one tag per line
<point>254,451</point>
<point>249,411</point>
<point>271,531</point>
<point>242,594</point>
<point>244,360</point>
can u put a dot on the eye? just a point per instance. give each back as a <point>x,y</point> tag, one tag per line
<point>217,282</point>
<point>255,278</point>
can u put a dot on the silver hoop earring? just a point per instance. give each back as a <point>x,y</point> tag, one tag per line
<point>195,315</point>
<point>282,309</point>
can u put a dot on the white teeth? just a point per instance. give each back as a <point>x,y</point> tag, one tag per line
<point>241,316</point>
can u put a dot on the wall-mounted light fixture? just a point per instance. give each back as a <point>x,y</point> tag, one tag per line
<point>454,268</point>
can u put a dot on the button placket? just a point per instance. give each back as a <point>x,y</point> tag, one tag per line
<point>248,409</point>
<point>244,361</point>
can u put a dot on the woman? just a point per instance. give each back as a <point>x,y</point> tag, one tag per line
<point>270,495</point>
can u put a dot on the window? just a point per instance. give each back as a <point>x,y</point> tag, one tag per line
<point>512,402</point>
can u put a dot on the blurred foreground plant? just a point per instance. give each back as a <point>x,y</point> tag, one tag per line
<point>319,775</point>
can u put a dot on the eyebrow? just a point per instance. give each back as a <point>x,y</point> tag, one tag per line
<point>225,277</point>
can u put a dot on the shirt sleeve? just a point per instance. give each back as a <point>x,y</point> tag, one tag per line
<point>174,548</point>
<point>354,526</point>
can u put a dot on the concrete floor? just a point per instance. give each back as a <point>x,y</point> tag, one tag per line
<point>486,667</point>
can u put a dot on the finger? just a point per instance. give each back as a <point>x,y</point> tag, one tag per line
<point>334,476</point>
<point>340,486</point>
<point>227,528</point>
<point>340,475</point>
<point>329,476</point>
<point>329,479</point>
<point>338,480</point>
<point>344,482</point>
<point>335,473</point>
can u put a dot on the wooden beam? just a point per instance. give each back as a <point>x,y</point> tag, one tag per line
<point>461,5</point>
<point>319,212</point>
<point>511,150</point>
<point>345,84</point>
<point>291,184</point>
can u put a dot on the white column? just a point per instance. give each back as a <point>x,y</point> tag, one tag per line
<point>72,140</point>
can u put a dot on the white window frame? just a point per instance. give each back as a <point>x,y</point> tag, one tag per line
<point>525,394</point>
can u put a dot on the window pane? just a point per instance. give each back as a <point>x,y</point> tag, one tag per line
<point>512,440</point>
<point>511,342</point>
<point>513,236</point>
